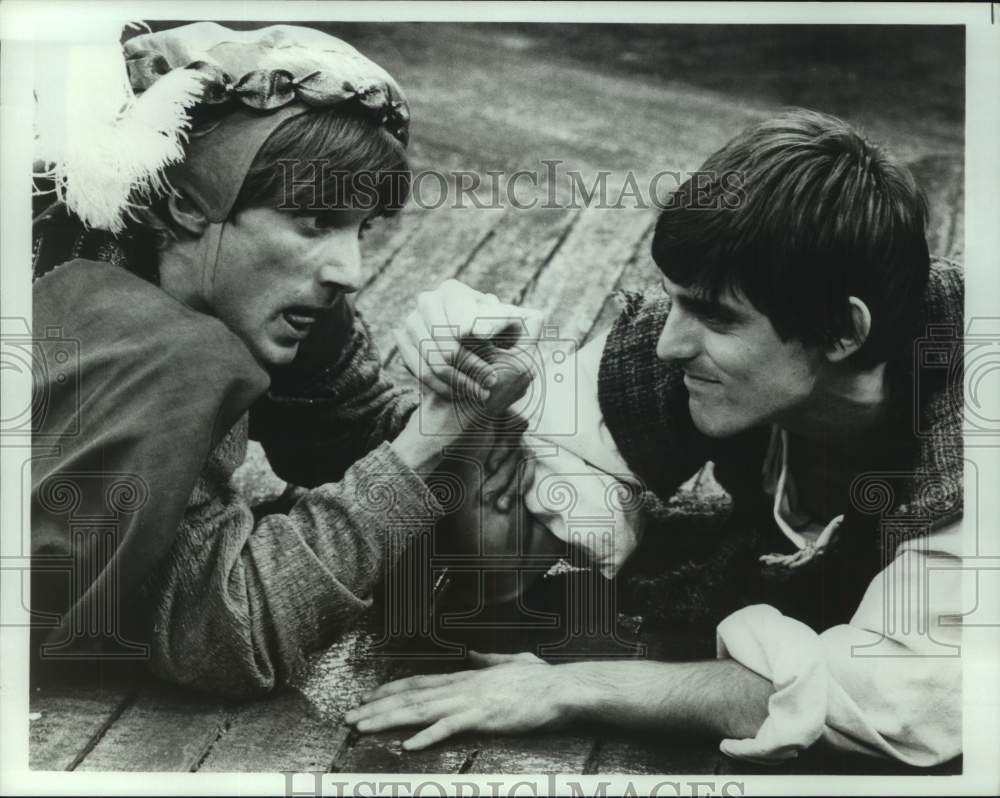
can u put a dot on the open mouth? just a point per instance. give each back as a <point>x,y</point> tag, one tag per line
<point>300,319</point>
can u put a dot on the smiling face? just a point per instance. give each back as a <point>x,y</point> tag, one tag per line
<point>276,272</point>
<point>738,372</point>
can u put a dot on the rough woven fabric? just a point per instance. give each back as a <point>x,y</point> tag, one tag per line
<point>916,487</point>
<point>241,601</point>
<point>57,236</point>
<point>133,391</point>
<point>227,602</point>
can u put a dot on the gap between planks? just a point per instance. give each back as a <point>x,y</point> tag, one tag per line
<point>125,703</point>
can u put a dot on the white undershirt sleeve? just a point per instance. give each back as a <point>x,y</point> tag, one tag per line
<point>887,684</point>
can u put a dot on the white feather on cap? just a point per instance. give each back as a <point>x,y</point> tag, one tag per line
<point>103,148</point>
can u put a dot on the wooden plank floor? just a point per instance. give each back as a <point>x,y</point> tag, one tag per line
<point>480,100</point>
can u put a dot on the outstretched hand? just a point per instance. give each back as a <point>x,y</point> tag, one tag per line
<point>507,693</point>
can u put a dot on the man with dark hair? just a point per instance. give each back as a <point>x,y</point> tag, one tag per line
<point>785,353</point>
<point>821,215</point>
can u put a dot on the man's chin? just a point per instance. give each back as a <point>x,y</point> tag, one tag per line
<point>713,424</point>
<point>273,354</point>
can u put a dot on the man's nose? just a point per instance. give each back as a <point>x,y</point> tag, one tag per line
<point>679,339</point>
<point>342,267</point>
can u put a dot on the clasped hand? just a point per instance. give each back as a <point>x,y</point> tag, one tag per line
<point>463,346</point>
<point>449,341</point>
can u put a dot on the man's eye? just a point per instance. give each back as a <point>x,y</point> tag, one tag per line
<point>716,323</point>
<point>326,221</point>
<point>322,221</point>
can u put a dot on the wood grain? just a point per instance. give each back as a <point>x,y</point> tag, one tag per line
<point>71,720</point>
<point>446,241</point>
<point>490,97</point>
<point>942,178</point>
<point>640,275</point>
<point>539,753</point>
<point>386,237</point>
<point>572,289</point>
<point>280,733</point>
<point>383,753</point>
<point>166,728</point>
<point>520,247</point>
<point>655,754</point>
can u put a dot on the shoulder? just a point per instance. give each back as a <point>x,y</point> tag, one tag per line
<point>934,371</point>
<point>135,344</point>
<point>629,371</point>
<point>111,307</point>
<point>937,355</point>
<point>638,326</point>
<point>944,297</point>
<point>629,346</point>
<point>643,399</point>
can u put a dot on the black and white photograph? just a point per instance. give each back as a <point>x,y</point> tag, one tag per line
<point>500,399</point>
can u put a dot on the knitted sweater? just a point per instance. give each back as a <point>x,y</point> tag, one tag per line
<point>913,486</point>
<point>224,601</point>
<point>239,602</point>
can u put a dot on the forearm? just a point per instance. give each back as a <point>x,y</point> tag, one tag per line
<point>418,449</point>
<point>239,604</point>
<point>719,698</point>
<point>434,426</point>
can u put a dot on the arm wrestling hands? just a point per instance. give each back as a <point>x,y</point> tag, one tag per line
<point>447,340</point>
<point>521,693</point>
<point>458,343</point>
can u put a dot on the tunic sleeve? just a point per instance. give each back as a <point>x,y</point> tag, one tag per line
<point>136,391</point>
<point>240,602</point>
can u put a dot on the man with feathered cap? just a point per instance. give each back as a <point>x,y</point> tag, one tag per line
<point>203,270</point>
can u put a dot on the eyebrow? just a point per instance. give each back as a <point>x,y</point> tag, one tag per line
<point>703,306</point>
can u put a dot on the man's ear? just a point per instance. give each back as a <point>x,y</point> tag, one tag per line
<point>186,214</point>
<point>853,340</point>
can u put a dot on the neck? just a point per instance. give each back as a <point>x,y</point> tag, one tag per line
<point>843,408</point>
<point>180,277</point>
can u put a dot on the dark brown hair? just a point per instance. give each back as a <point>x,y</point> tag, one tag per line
<point>329,159</point>
<point>797,214</point>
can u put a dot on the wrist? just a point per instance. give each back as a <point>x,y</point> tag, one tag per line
<point>581,695</point>
<point>418,452</point>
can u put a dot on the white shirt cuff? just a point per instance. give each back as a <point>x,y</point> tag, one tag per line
<point>789,654</point>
